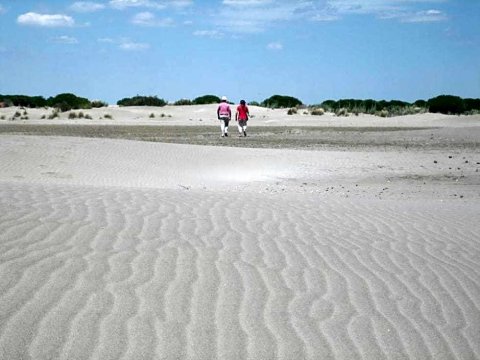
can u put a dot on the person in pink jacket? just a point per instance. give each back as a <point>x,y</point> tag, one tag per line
<point>224,114</point>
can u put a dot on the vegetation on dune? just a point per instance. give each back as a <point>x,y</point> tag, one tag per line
<point>67,101</point>
<point>281,101</point>
<point>142,101</point>
<point>183,102</point>
<point>64,101</point>
<point>445,104</point>
<point>206,99</point>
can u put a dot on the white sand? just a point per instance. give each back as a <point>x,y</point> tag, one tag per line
<point>115,249</point>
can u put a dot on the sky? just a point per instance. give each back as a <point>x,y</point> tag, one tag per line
<point>244,49</point>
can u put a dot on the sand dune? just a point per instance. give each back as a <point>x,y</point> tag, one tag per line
<point>113,249</point>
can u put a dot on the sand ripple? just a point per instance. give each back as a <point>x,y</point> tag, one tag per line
<point>117,273</point>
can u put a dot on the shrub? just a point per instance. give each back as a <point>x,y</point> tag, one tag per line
<point>98,104</point>
<point>292,111</point>
<point>43,117</point>
<point>87,116</point>
<point>383,113</point>
<point>341,112</point>
<point>142,101</point>
<point>72,115</point>
<point>446,104</point>
<point>68,101</point>
<point>54,114</point>
<point>17,114</point>
<point>281,101</point>
<point>254,103</point>
<point>206,99</point>
<point>23,100</point>
<point>81,115</point>
<point>420,103</point>
<point>183,102</point>
<point>152,115</point>
<point>472,105</point>
<point>108,116</point>
<point>317,111</point>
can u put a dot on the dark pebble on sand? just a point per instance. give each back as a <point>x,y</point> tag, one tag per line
<point>435,161</point>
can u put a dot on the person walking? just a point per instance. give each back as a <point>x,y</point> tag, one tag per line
<point>241,117</point>
<point>224,114</point>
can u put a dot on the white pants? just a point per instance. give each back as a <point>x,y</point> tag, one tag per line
<point>242,125</point>
<point>224,125</point>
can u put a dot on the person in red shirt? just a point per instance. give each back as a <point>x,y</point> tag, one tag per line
<point>241,117</point>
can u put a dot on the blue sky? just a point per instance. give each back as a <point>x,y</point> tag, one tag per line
<point>251,49</point>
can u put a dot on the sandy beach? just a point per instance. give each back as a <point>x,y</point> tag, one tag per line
<point>315,237</point>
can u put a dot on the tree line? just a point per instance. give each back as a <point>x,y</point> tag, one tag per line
<point>446,104</point>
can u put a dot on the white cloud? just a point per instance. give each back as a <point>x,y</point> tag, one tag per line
<point>64,39</point>
<point>208,33</point>
<point>149,19</point>
<point>56,20</point>
<point>133,46</point>
<point>153,4</point>
<point>260,15</point>
<point>86,6</point>
<point>386,9</point>
<point>2,9</point>
<point>180,3</point>
<point>425,16</point>
<point>105,40</point>
<point>123,4</point>
<point>246,2</point>
<point>275,46</point>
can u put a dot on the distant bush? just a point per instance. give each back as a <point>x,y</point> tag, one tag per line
<point>317,111</point>
<point>23,100</point>
<point>2,117</point>
<point>68,101</point>
<point>254,103</point>
<point>72,115</point>
<point>342,112</point>
<point>446,104</point>
<point>98,104</point>
<point>383,113</point>
<point>281,101</point>
<point>420,103</point>
<point>292,111</point>
<point>65,101</point>
<point>151,116</point>
<point>142,101</point>
<point>183,102</point>
<point>87,116</point>
<point>206,99</point>
<point>472,105</point>
<point>108,116</point>
<point>54,114</point>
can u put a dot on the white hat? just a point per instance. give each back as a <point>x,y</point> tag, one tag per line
<point>224,98</point>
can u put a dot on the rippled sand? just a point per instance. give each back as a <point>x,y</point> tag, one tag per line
<point>114,249</point>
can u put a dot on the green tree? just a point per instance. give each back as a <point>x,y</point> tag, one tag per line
<point>206,99</point>
<point>281,101</point>
<point>446,104</point>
